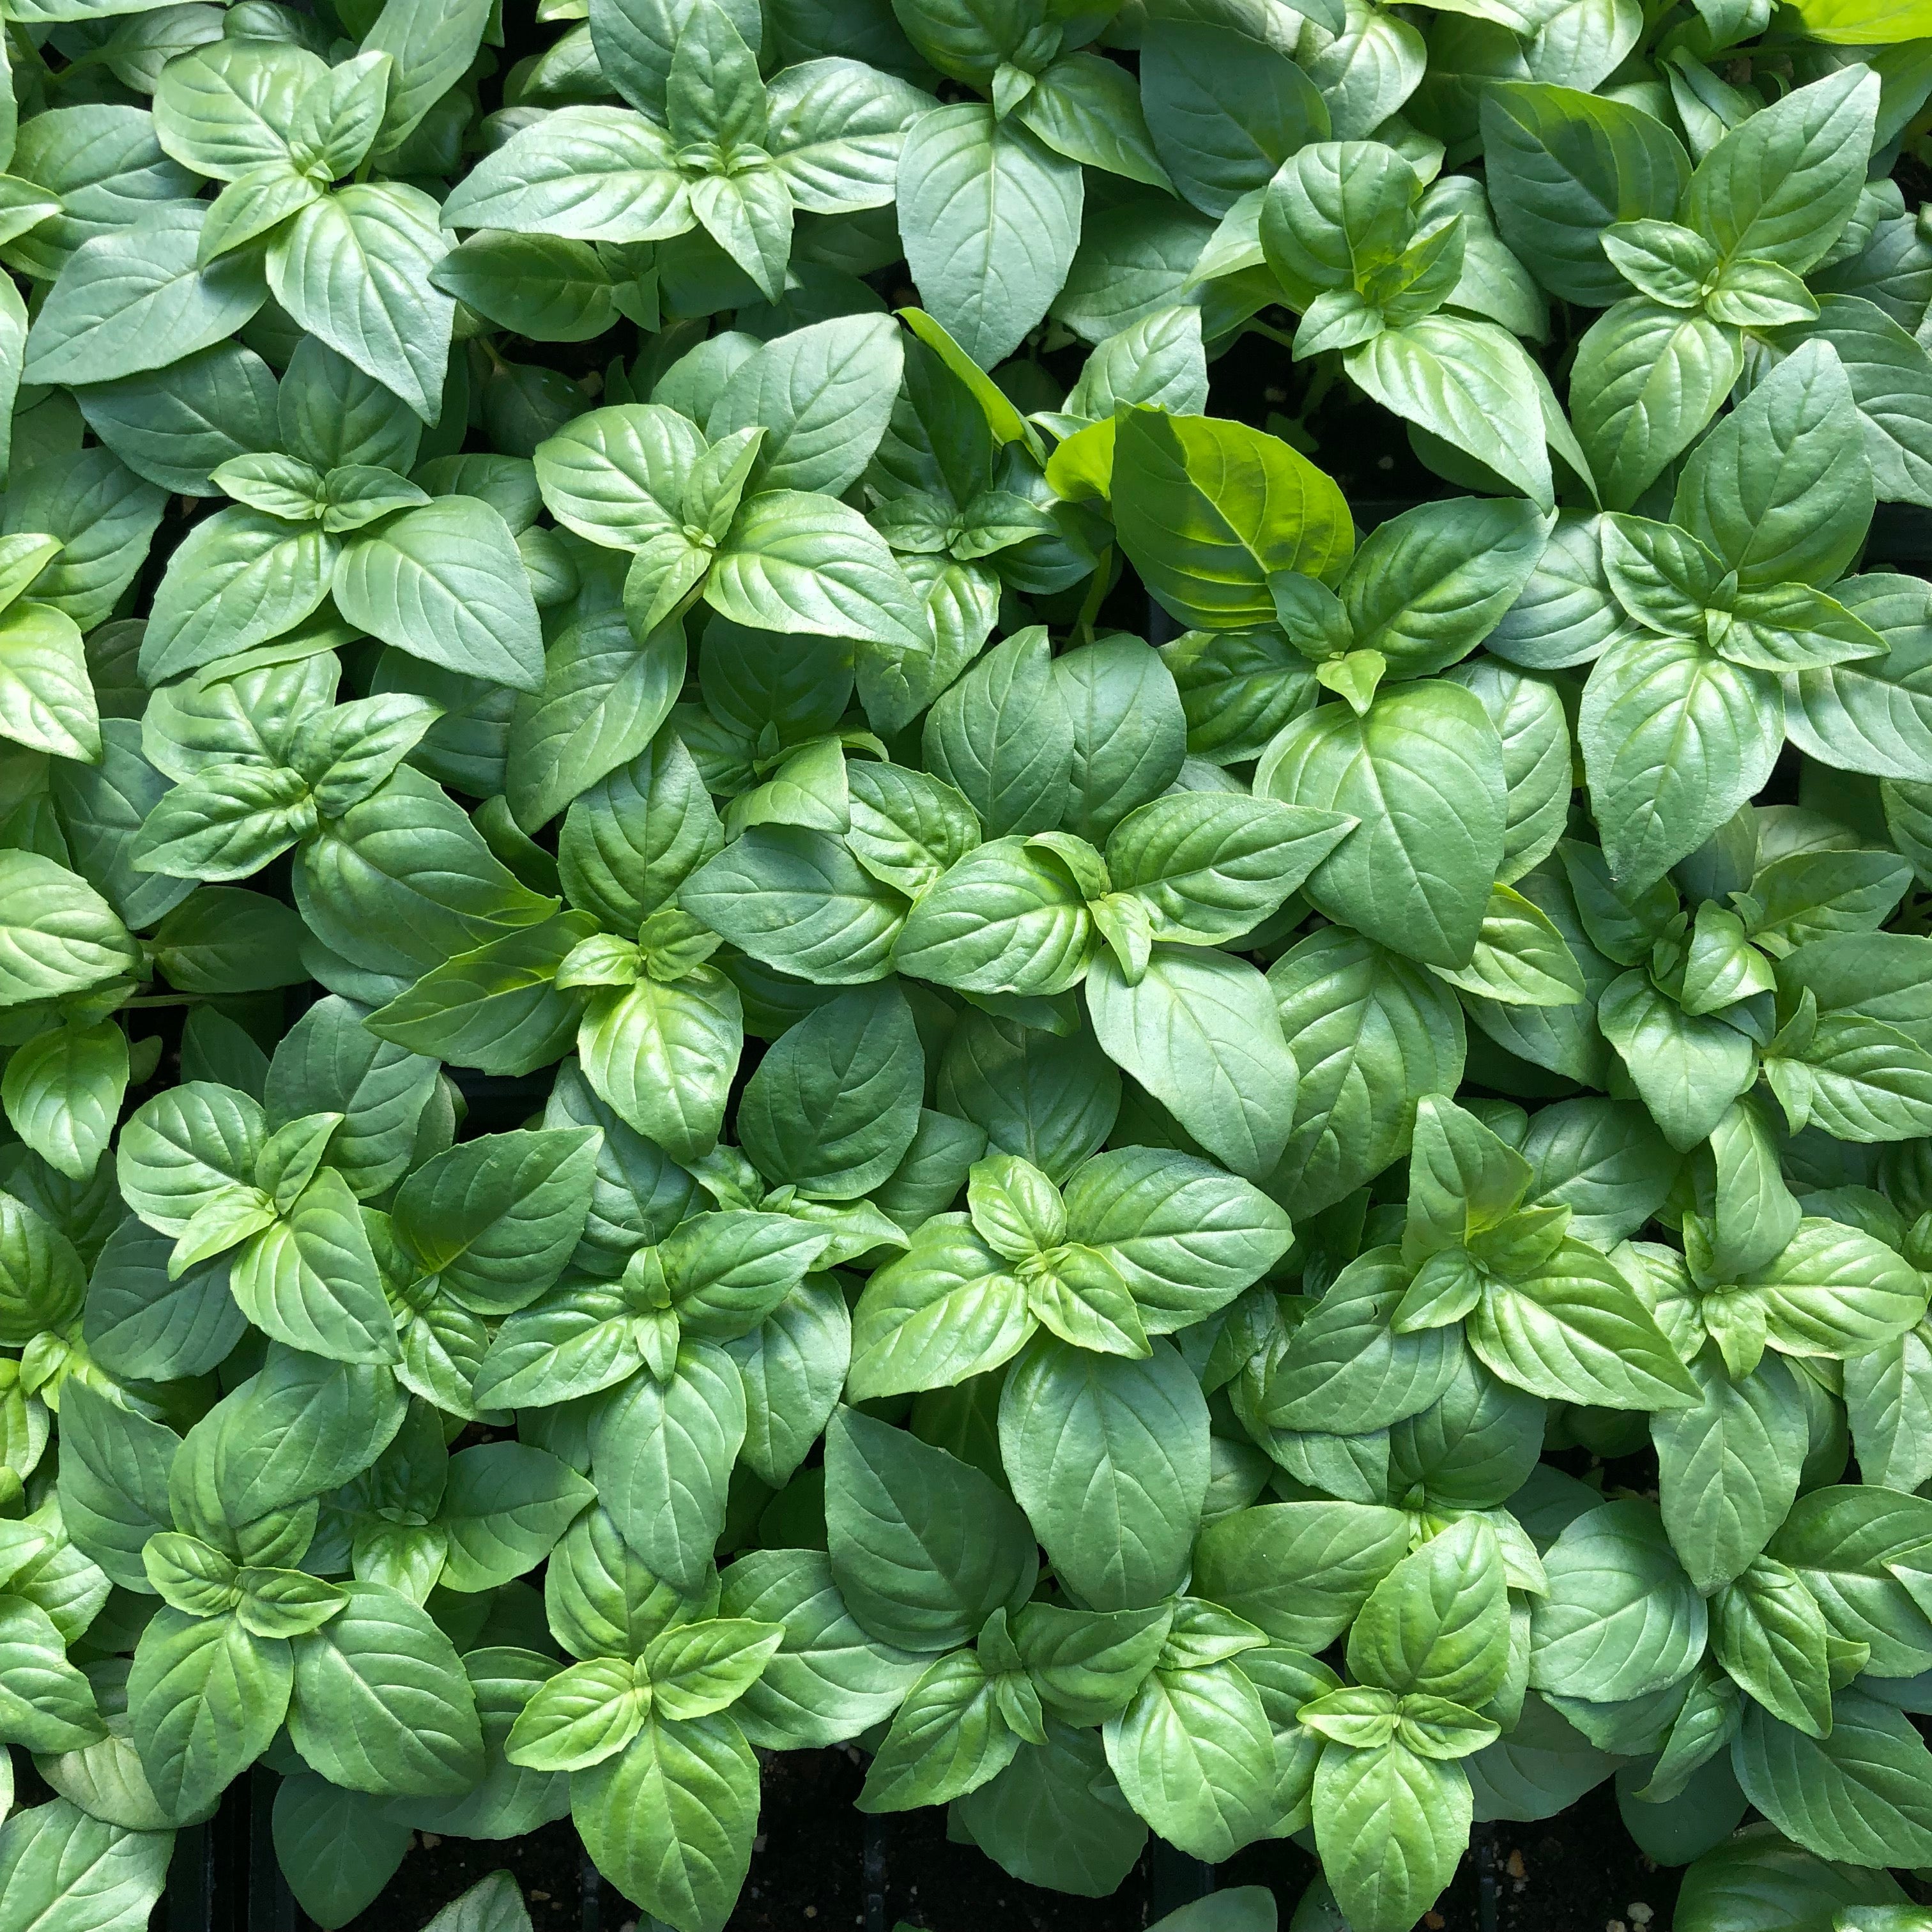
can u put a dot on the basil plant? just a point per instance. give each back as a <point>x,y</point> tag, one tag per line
<point>1044,891</point>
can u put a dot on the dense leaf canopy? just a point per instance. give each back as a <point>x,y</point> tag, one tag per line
<point>1041,883</point>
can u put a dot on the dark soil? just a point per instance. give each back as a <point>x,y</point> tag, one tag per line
<point>1576,1873</point>
<point>549,1865</point>
<point>817,1859</point>
<point>809,1870</point>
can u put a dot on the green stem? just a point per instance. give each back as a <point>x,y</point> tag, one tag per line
<point>688,600</point>
<point>57,76</point>
<point>1327,368</point>
<point>1096,592</point>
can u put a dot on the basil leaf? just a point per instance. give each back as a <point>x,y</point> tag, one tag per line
<point>966,177</point>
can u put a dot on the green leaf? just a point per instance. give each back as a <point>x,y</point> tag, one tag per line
<point>1646,381</point>
<point>443,583</point>
<point>1470,383</point>
<point>46,701</point>
<point>1886,1388</point>
<point>947,1738</point>
<point>1422,773</point>
<point>225,110</point>
<point>1620,1618</point>
<point>1374,1033</point>
<point>336,1849</point>
<point>616,475</point>
<point>1346,1369</point>
<point>1224,110</point>
<point>1185,1237</point>
<point>663,1056</point>
<point>1109,1459</point>
<point>225,824</point>
<point>137,300</point>
<point>138,1322</point>
<point>361,883</point>
<point>57,934</point>
<point>1674,741</point>
<point>381,1702</point>
<point>1842,1540</point>
<point>173,427</point>
<point>299,1426</point>
<point>544,286</point>
<point>630,839</point>
<point>220,940</point>
<point>206,1698</point>
<point>1211,865</point>
<point>793,560</point>
<point>1563,167</point>
<point>669,1822</point>
<point>1000,737</point>
<point>823,395</point>
<point>575,1344</point>
<point>505,1507</point>
<point>1577,1330</point>
<point>696,1670</point>
<point>1130,731</point>
<point>497,1218</point>
<point>430,48</point>
<point>1834,1288</point>
<point>353,269</point>
<point>1007,918</point>
<point>46,1704</point>
<point>1728,1466</point>
<point>594,173</point>
<point>828,1680</point>
<point>1521,959</point>
<point>102,516</point>
<point>113,1482</point>
<point>310,1280</point>
<point>1055,1815</point>
<point>923,1546</point>
<point>1781,488</point>
<point>185,1147</point>
<point>587,1712</point>
<point>1768,1631</point>
<point>907,827</point>
<point>1780,186</point>
<point>1086,1664</point>
<point>836,125</point>
<point>974,189</point>
<point>1391,1826</point>
<point>1194,1756</point>
<point>798,901</point>
<point>834,1106</point>
<point>1757,1875</point>
<point>1427,586</point>
<point>329,1061</point>
<point>948,1308</point>
<point>1438,1622</point>
<point>1870,712</point>
<point>1857,1795</point>
<point>59,1867</point>
<point>1199,1032</point>
<point>604,697</point>
<point>63,1091</point>
<point>662,1455</point>
<point>1888,377</point>
<point>1207,511</point>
